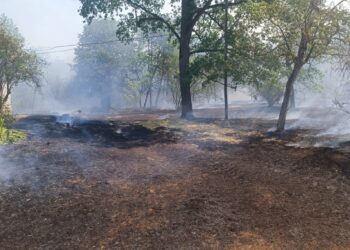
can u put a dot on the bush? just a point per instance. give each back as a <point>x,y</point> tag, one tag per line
<point>8,135</point>
<point>270,92</point>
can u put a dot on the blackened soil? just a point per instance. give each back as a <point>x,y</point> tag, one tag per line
<point>191,185</point>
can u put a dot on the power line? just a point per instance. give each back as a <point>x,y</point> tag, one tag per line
<point>56,51</point>
<point>78,44</point>
<point>53,49</point>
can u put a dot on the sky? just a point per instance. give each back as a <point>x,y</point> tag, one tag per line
<point>46,23</point>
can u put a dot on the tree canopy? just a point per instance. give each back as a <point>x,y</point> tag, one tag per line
<point>300,32</point>
<point>179,18</point>
<point>17,64</point>
<point>267,42</point>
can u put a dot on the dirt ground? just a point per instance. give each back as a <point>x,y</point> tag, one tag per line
<point>151,181</point>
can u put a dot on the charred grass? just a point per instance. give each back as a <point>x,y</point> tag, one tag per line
<point>170,184</point>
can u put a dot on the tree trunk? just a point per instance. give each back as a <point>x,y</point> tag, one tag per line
<point>226,56</point>
<point>158,92</point>
<point>150,99</point>
<point>146,99</point>
<point>284,108</point>
<point>292,98</point>
<point>184,62</point>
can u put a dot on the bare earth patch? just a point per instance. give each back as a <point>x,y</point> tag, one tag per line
<point>139,182</point>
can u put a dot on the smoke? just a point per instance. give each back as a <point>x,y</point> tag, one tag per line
<point>9,170</point>
<point>322,107</point>
<point>325,110</point>
<point>48,98</point>
<point>6,170</point>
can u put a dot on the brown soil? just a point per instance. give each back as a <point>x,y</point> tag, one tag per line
<point>170,184</point>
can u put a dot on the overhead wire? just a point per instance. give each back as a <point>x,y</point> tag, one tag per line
<point>50,50</point>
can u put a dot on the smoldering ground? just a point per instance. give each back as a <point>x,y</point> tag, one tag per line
<point>139,181</point>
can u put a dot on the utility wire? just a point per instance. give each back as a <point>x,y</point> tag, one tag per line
<point>53,49</point>
<point>74,45</point>
<point>56,51</point>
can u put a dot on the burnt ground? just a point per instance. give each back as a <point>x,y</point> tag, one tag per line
<point>138,182</point>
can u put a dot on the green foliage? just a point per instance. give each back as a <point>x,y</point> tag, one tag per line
<point>271,92</point>
<point>17,64</point>
<point>304,30</point>
<point>8,135</point>
<point>111,74</point>
<point>266,38</point>
<point>147,69</point>
<point>343,55</point>
<point>149,16</point>
<point>250,61</point>
<point>298,33</point>
<point>187,19</point>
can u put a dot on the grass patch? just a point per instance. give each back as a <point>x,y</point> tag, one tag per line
<point>8,136</point>
<point>153,124</point>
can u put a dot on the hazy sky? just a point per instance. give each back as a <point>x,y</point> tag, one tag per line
<point>46,23</point>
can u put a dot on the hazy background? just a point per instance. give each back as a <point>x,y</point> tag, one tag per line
<point>46,23</point>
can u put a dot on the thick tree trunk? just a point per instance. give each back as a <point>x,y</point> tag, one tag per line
<point>284,108</point>
<point>184,62</point>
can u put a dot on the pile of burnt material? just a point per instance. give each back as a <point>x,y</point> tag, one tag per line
<point>111,133</point>
<point>93,131</point>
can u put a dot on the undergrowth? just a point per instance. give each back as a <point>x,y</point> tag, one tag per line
<point>8,135</point>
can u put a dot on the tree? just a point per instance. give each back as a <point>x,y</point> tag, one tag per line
<point>115,74</point>
<point>301,31</point>
<point>343,54</point>
<point>148,69</point>
<point>151,16</point>
<point>235,52</point>
<point>271,92</point>
<point>100,65</point>
<point>17,64</point>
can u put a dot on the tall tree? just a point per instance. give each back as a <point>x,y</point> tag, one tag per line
<point>17,64</point>
<point>301,31</point>
<point>153,16</point>
<point>234,52</point>
<point>343,54</point>
<point>147,70</point>
<point>100,65</point>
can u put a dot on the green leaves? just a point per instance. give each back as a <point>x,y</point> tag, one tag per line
<point>131,15</point>
<point>17,64</point>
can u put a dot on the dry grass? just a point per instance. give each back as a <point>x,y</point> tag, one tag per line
<point>202,186</point>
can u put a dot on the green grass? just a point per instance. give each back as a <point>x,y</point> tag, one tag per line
<point>8,136</point>
<point>152,124</point>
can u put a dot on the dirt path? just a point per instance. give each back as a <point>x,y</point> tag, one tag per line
<point>167,184</point>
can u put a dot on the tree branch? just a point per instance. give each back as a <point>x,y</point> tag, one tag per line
<point>215,21</point>
<point>216,81</point>
<point>222,5</point>
<point>205,51</point>
<point>285,39</point>
<point>156,17</point>
<point>209,6</point>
